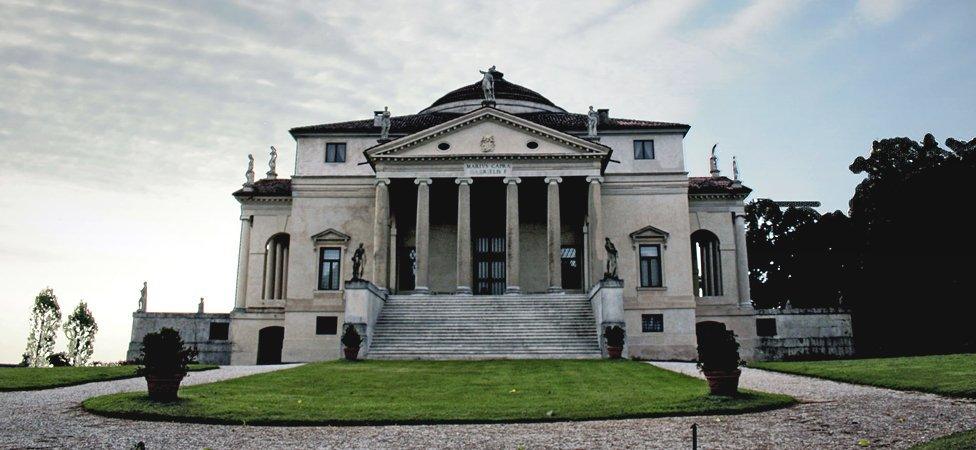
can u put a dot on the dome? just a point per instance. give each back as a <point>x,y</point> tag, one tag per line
<point>509,97</point>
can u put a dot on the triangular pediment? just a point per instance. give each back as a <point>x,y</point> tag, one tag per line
<point>331,236</point>
<point>487,133</point>
<point>649,232</point>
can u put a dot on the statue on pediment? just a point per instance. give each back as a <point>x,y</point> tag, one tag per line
<point>272,174</point>
<point>488,84</point>
<point>592,117</point>
<point>249,175</point>
<point>382,119</point>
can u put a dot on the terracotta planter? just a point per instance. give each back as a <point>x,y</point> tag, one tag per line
<point>352,353</point>
<point>614,352</point>
<point>163,388</point>
<point>723,382</point>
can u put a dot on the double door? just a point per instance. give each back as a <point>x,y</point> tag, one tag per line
<point>489,265</point>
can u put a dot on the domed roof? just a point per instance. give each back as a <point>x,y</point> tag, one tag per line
<point>504,90</point>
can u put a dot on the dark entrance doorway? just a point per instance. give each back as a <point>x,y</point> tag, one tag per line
<point>489,265</point>
<point>269,345</point>
<point>571,268</point>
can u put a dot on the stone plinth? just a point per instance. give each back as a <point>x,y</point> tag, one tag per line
<point>364,301</point>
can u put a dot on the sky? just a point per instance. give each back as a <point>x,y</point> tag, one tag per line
<point>125,125</point>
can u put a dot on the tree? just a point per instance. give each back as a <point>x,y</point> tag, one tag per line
<point>45,319</point>
<point>80,329</point>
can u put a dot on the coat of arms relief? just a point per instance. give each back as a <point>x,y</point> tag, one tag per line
<point>488,144</point>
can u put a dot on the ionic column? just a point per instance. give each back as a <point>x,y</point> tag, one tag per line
<point>553,231</point>
<point>243,256</point>
<point>594,213</point>
<point>269,264</point>
<point>381,237</point>
<point>279,268</point>
<point>512,235</point>
<point>464,236</point>
<point>742,261</point>
<point>422,283</point>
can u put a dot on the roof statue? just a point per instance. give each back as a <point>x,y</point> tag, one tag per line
<point>713,163</point>
<point>273,163</point>
<point>735,173</point>
<point>249,174</point>
<point>592,117</point>
<point>382,119</point>
<point>143,297</point>
<point>488,85</point>
<point>200,306</point>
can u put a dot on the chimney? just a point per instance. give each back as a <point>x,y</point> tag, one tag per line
<point>604,116</point>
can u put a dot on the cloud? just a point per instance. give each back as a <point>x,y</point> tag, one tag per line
<point>879,12</point>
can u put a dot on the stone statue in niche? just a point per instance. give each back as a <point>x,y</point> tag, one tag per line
<point>488,85</point>
<point>592,117</point>
<point>382,119</point>
<point>143,296</point>
<point>249,175</point>
<point>611,273</point>
<point>358,262</point>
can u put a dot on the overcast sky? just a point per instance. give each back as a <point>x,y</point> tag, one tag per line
<point>124,126</point>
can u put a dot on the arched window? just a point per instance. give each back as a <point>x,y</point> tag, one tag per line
<point>706,264</point>
<point>276,267</point>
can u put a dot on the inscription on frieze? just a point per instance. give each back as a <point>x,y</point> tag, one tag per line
<point>487,169</point>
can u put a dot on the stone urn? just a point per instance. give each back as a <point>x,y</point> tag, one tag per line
<point>723,382</point>
<point>352,353</point>
<point>163,388</point>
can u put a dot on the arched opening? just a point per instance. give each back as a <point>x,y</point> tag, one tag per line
<point>706,264</point>
<point>276,267</point>
<point>270,340</point>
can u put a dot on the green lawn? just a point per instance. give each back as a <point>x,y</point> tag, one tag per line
<point>964,440</point>
<point>950,375</point>
<point>34,378</point>
<point>384,392</point>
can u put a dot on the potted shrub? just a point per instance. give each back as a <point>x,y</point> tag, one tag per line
<point>614,337</point>
<point>165,361</point>
<point>351,341</point>
<point>718,359</point>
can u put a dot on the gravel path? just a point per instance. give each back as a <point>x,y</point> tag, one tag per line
<point>832,415</point>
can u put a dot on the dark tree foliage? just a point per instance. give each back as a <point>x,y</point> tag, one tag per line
<point>914,286</point>
<point>902,261</point>
<point>797,255</point>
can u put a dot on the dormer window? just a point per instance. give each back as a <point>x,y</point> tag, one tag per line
<point>644,149</point>
<point>335,152</point>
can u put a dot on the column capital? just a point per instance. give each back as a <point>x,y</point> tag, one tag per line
<point>554,180</point>
<point>248,218</point>
<point>594,178</point>
<point>380,181</point>
<point>508,180</point>
<point>426,181</point>
<point>464,180</point>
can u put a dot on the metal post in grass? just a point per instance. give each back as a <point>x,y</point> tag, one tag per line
<point>694,436</point>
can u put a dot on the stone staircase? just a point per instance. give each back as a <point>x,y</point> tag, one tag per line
<point>485,327</point>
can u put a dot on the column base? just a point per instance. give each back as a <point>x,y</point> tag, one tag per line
<point>555,290</point>
<point>421,290</point>
<point>462,290</point>
<point>513,290</point>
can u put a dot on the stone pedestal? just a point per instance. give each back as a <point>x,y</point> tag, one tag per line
<point>363,303</point>
<point>607,300</point>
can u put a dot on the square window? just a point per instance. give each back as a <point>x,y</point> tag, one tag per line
<point>766,327</point>
<point>219,331</point>
<point>652,323</point>
<point>326,324</point>
<point>644,149</point>
<point>335,152</point>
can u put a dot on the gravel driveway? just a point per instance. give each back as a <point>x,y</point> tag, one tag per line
<point>832,415</point>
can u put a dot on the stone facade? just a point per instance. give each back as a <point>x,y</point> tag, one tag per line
<point>510,197</point>
<point>196,329</point>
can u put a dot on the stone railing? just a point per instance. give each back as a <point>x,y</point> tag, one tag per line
<point>364,301</point>
<point>607,300</point>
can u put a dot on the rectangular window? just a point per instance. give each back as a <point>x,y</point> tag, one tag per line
<point>650,265</point>
<point>329,270</point>
<point>644,149</point>
<point>335,152</point>
<point>219,331</point>
<point>766,327</point>
<point>326,324</point>
<point>652,323</point>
